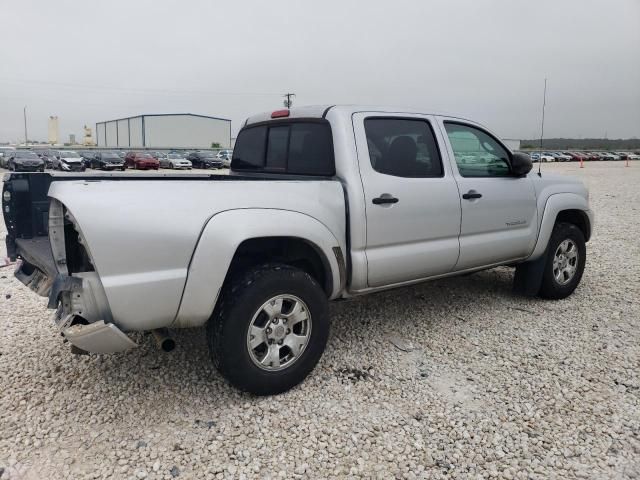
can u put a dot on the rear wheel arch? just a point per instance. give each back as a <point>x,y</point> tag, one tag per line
<point>287,250</point>
<point>233,241</point>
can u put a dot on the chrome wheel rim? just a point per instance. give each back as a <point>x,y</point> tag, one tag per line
<point>565,262</point>
<point>279,332</point>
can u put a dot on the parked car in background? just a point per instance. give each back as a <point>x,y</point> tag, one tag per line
<point>48,156</point>
<point>68,161</point>
<point>622,155</point>
<point>542,157</point>
<point>141,161</point>
<point>176,161</point>
<point>25,161</point>
<point>573,156</point>
<point>88,156</point>
<point>107,161</point>
<point>225,156</point>
<point>609,156</point>
<point>204,159</point>
<point>633,156</point>
<point>4,155</point>
<point>560,157</point>
<point>158,155</point>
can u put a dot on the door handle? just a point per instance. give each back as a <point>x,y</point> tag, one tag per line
<point>471,194</point>
<point>385,199</point>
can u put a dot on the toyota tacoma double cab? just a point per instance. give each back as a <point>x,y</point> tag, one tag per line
<point>322,203</point>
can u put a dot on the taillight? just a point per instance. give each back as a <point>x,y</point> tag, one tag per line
<point>280,113</point>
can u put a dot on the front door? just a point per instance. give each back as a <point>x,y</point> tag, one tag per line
<point>499,214</point>
<point>412,201</point>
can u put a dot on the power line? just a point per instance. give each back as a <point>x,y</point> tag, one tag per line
<point>128,90</point>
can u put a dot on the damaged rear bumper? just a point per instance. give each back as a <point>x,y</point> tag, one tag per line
<point>98,337</point>
<point>82,313</point>
<point>75,291</point>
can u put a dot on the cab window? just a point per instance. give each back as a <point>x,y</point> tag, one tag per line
<point>477,153</point>
<point>403,147</point>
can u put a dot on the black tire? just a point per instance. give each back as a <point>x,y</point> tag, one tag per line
<point>227,329</point>
<point>550,287</point>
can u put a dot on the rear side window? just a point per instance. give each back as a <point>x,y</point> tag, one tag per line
<point>301,147</point>
<point>403,147</point>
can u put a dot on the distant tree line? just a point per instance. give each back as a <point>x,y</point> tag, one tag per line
<point>582,144</point>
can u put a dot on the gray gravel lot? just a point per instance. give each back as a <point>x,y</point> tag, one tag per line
<point>490,384</point>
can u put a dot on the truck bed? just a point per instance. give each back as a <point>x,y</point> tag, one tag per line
<point>26,215</point>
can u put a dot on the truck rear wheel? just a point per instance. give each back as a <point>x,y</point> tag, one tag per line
<point>269,329</point>
<point>566,257</point>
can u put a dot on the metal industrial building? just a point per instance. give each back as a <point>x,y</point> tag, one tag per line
<point>172,130</point>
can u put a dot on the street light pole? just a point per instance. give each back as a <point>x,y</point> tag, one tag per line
<point>26,138</point>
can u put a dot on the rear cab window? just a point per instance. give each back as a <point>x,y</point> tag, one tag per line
<point>298,146</point>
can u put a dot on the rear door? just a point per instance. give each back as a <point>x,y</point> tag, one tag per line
<point>499,214</point>
<point>412,201</point>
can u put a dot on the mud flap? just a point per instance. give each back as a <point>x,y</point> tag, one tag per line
<point>528,278</point>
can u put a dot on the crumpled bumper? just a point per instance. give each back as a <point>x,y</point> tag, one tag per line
<point>78,299</point>
<point>98,337</point>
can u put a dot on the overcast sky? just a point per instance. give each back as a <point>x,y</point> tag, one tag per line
<point>90,61</point>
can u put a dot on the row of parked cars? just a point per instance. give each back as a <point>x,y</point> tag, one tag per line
<point>71,161</point>
<point>581,156</point>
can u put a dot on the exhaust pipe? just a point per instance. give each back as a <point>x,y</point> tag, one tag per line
<point>163,340</point>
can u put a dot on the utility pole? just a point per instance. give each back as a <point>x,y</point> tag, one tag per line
<point>289,101</point>
<point>26,138</point>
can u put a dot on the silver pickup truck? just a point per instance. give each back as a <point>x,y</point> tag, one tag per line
<point>322,203</point>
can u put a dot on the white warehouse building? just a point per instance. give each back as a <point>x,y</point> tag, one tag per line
<point>171,130</point>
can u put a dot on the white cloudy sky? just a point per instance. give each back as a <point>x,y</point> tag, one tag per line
<point>89,61</point>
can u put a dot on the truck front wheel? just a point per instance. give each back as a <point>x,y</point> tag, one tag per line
<point>269,329</point>
<point>566,257</point>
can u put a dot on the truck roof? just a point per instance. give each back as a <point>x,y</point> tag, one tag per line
<point>320,111</point>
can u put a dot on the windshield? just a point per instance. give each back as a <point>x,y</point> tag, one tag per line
<point>175,156</point>
<point>206,155</point>
<point>26,155</point>
<point>144,155</point>
<point>69,155</point>
<point>110,155</point>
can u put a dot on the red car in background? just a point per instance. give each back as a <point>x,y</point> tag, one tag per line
<point>576,156</point>
<point>141,161</point>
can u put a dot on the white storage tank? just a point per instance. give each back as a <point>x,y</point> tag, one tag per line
<point>172,130</point>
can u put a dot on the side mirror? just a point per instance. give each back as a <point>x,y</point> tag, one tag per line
<point>521,164</point>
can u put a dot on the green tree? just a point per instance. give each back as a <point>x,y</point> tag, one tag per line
<point>215,145</point>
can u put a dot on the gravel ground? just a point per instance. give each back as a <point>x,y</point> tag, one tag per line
<point>454,378</point>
